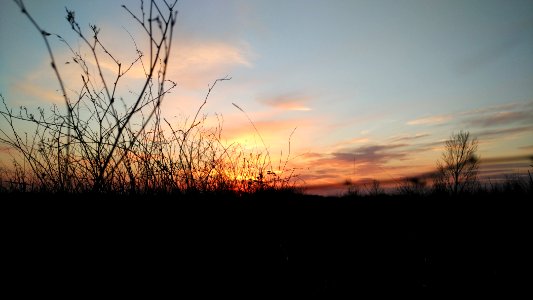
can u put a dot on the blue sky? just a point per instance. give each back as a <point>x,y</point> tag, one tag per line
<point>383,81</point>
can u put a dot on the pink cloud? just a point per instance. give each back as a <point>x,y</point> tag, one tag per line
<point>432,120</point>
<point>289,101</point>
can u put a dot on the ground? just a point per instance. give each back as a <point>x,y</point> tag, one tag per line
<point>271,244</point>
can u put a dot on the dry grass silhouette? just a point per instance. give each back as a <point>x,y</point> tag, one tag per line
<point>105,141</point>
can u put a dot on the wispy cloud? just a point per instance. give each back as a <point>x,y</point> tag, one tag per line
<point>38,92</point>
<point>339,146</point>
<point>500,115</point>
<point>357,161</point>
<point>496,133</point>
<point>289,101</point>
<point>194,63</point>
<point>508,114</point>
<point>409,137</point>
<point>432,120</point>
<point>501,118</point>
<point>513,106</point>
<point>212,54</point>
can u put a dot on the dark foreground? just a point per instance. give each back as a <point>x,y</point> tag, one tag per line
<point>273,245</point>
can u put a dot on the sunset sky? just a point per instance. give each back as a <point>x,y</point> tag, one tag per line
<point>373,88</point>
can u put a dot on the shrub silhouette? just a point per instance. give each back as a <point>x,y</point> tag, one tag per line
<point>107,141</point>
<point>412,186</point>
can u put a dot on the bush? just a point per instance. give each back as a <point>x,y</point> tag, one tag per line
<point>112,141</point>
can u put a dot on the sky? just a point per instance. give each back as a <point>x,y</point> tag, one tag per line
<point>373,88</point>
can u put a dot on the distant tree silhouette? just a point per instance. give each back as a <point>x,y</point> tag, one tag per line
<point>458,167</point>
<point>412,186</point>
<point>375,188</point>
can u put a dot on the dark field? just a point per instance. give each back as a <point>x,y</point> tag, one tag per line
<point>273,244</point>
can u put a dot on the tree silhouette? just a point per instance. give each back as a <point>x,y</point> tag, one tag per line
<point>457,169</point>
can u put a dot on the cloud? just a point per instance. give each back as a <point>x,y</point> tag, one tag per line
<point>289,101</point>
<point>195,63</point>
<point>192,64</point>
<point>409,138</point>
<point>385,162</point>
<point>501,118</point>
<point>432,120</point>
<point>498,108</point>
<point>347,143</point>
<point>494,115</point>
<point>40,93</point>
<point>359,160</point>
<point>413,154</point>
<point>501,115</point>
<point>358,140</point>
<point>374,154</point>
<point>506,159</point>
<point>502,169</point>
<point>210,54</point>
<point>504,132</point>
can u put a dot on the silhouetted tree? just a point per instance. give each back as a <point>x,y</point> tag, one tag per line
<point>457,169</point>
<point>375,188</point>
<point>412,186</point>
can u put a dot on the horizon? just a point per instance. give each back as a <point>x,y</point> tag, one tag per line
<point>358,90</point>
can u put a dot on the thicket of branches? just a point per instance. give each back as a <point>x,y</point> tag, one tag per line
<point>103,140</point>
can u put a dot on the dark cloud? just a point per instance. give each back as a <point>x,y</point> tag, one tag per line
<point>506,159</point>
<point>511,114</point>
<point>374,154</point>
<point>502,118</point>
<point>493,133</point>
<point>506,168</point>
<point>495,115</point>
<point>409,138</point>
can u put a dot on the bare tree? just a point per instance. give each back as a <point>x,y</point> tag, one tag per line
<point>458,167</point>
